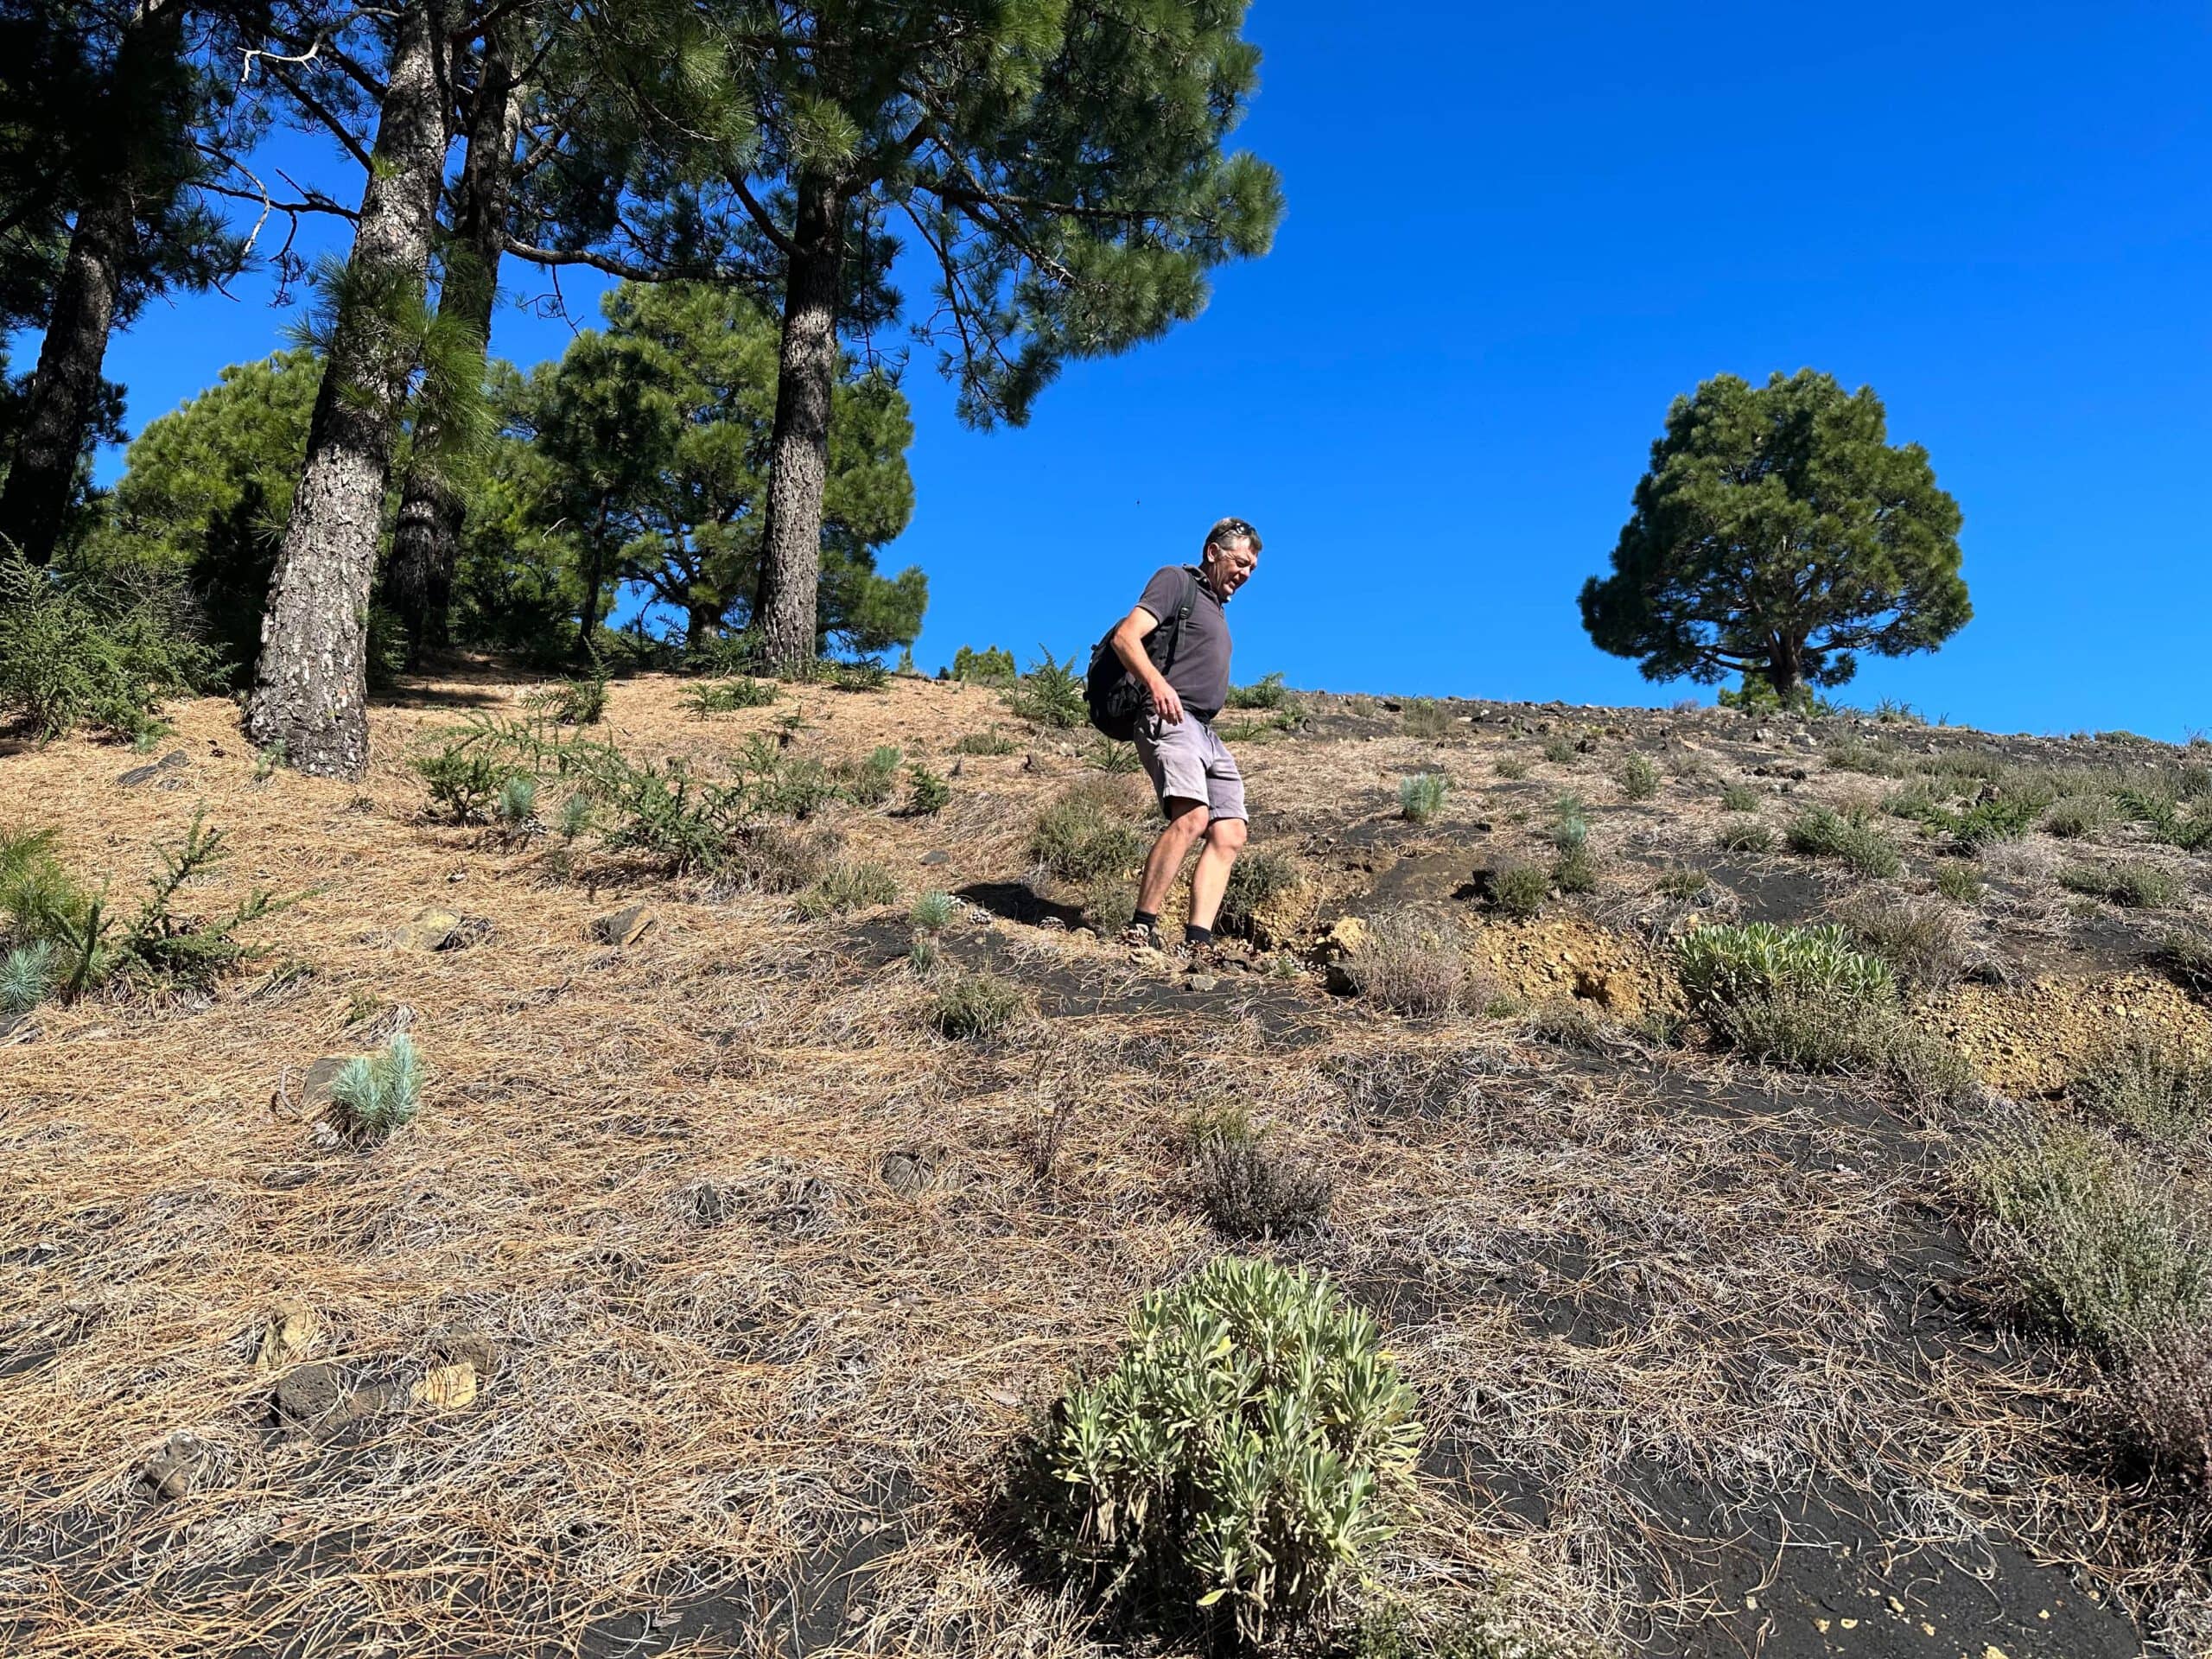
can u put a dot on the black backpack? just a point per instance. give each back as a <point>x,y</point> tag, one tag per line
<point>1117,702</point>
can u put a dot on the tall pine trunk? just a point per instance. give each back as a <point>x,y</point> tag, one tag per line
<point>311,685</point>
<point>798,445</point>
<point>65,388</point>
<point>426,544</point>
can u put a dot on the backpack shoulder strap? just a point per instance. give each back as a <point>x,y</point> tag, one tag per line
<point>1182,615</point>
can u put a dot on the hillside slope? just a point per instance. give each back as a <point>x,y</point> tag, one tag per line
<point>706,1302</point>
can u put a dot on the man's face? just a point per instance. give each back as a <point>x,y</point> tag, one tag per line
<point>1230,568</point>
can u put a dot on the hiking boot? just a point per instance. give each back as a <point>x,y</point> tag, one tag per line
<point>1139,937</point>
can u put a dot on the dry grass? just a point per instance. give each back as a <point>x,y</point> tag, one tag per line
<point>767,1261</point>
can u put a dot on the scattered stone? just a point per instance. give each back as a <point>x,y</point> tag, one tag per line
<point>936,856</point>
<point>1338,979</point>
<point>470,1348</point>
<point>162,771</point>
<point>445,1387</point>
<point>290,1329</point>
<point>315,1089</point>
<point>175,1466</point>
<point>622,927</point>
<point>1345,938</point>
<point>285,1177</point>
<point>905,1173</point>
<point>431,930</point>
<point>473,930</point>
<point>310,1396</point>
<point>1202,982</point>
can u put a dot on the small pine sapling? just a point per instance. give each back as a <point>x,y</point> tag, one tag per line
<point>374,1095</point>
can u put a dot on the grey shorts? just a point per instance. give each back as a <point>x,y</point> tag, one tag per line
<point>1187,762</point>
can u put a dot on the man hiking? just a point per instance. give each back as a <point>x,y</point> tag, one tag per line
<point>1200,788</point>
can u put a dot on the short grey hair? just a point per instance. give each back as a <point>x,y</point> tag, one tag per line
<point>1228,531</point>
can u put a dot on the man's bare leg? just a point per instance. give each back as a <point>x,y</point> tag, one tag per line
<point>1187,822</point>
<point>1225,839</point>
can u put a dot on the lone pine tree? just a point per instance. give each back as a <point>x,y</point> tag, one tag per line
<point>1778,534</point>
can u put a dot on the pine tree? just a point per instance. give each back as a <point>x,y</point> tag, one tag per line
<point>1779,532</point>
<point>1062,167</point>
<point>105,140</point>
<point>311,681</point>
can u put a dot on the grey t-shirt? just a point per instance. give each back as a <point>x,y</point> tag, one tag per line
<point>1199,672</point>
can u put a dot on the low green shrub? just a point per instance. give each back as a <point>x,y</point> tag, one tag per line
<point>2186,955</point>
<point>27,976</point>
<point>1510,768</point>
<point>712,697</point>
<point>1723,967</point>
<point>1248,1453</point>
<point>1684,885</point>
<point>1087,833</point>
<point>871,782</point>
<point>516,807</point>
<point>1752,837</point>
<point>2095,1243</point>
<point>978,1006</point>
<point>2149,1084</point>
<point>1821,832</point>
<point>1115,759</point>
<point>1251,1189</point>
<point>1256,881</point>
<point>932,912</point>
<point>847,886</point>
<point>993,742</point>
<point>1575,870</point>
<point>1871,759</point>
<point>2133,887</point>
<point>927,793</point>
<point>1560,751</point>
<point>1414,961</point>
<point>1051,694</point>
<point>1420,797</point>
<point>79,945</point>
<point>1569,831</point>
<point>1959,881</point>
<point>1639,777</point>
<point>1520,890</point>
<point>80,649</point>
<point>2072,816</point>
<point>861,676</point>
<point>1109,903</point>
<point>1924,941</point>
<point>2163,1387</point>
<point>466,778</point>
<point>1740,797</point>
<point>1425,718</point>
<point>798,789</point>
<point>375,1094</point>
<point>1268,692</point>
<point>571,702</point>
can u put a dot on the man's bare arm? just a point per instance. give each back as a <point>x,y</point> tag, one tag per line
<point>1128,646</point>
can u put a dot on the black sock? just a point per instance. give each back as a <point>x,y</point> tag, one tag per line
<point>1144,918</point>
<point>1193,934</point>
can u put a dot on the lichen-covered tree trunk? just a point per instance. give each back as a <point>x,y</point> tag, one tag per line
<point>426,543</point>
<point>798,445</point>
<point>310,690</point>
<point>65,388</point>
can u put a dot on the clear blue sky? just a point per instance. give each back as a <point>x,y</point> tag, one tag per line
<point>1515,232</point>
